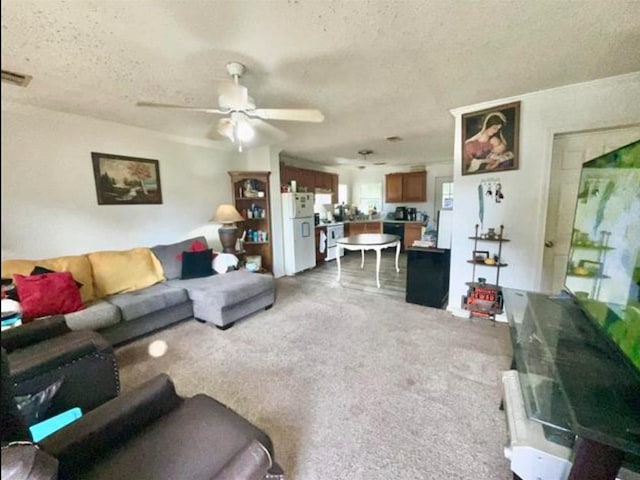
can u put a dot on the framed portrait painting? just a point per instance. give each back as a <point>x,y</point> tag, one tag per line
<point>124,180</point>
<point>490,139</point>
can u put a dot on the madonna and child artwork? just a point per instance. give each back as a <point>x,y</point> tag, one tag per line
<point>490,139</point>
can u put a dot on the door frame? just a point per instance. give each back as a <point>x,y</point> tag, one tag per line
<point>543,205</point>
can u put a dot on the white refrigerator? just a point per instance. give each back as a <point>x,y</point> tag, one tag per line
<point>299,232</point>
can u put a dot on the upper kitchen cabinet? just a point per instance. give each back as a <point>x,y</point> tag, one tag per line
<point>393,188</point>
<point>310,180</point>
<point>323,181</point>
<point>307,179</point>
<point>406,187</point>
<point>414,187</point>
<point>287,174</point>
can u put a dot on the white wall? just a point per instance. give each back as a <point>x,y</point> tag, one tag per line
<point>267,159</point>
<point>377,174</point>
<point>606,103</point>
<point>49,205</point>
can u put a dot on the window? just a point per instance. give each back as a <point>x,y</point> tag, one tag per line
<point>343,193</point>
<point>447,196</point>
<point>370,197</point>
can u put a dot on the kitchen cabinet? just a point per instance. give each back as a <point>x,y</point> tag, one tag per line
<point>412,231</point>
<point>357,228</point>
<point>406,187</point>
<point>414,187</point>
<point>393,188</point>
<point>322,181</point>
<point>307,179</point>
<point>310,180</point>
<point>287,174</point>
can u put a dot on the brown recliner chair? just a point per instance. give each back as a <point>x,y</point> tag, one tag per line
<point>148,433</point>
<point>46,351</point>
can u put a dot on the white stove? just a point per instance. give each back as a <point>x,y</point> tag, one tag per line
<point>334,232</point>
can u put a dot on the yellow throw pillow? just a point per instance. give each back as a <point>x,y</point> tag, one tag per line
<point>124,271</point>
<point>78,265</point>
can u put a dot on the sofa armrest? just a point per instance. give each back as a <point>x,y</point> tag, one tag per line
<point>33,332</point>
<point>251,463</point>
<point>28,462</point>
<point>111,424</point>
<point>58,351</point>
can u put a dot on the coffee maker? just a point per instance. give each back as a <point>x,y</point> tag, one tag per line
<point>401,213</point>
<point>412,214</point>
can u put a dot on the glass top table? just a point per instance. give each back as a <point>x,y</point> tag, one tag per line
<point>369,241</point>
<point>572,378</point>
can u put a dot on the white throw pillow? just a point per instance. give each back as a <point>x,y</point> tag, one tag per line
<point>224,261</point>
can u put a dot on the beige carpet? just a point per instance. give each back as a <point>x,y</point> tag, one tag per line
<point>349,385</point>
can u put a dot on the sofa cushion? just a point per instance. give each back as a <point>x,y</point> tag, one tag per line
<point>47,294</point>
<point>136,304</point>
<point>95,316</point>
<point>78,265</point>
<point>228,289</point>
<point>124,271</point>
<point>170,256</point>
<point>38,270</point>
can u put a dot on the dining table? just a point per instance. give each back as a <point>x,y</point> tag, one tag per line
<point>368,241</point>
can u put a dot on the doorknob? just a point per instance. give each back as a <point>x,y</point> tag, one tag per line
<point>548,244</point>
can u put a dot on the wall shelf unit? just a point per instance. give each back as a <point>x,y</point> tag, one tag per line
<point>256,211</point>
<point>484,299</point>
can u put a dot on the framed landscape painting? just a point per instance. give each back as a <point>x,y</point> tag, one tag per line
<point>490,139</point>
<point>124,180</point>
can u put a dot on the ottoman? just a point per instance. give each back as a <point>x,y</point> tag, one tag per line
<point>224,298</point>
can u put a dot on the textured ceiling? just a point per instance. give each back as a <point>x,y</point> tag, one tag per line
<point>374,68</point>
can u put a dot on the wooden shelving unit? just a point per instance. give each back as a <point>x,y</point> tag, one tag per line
<point>259,182</point>
<point>595,254</point>
<point>485,299</point>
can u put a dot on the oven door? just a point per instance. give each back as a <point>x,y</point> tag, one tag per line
<point>332,237</point>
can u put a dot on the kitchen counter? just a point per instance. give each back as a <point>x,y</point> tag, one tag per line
<point>368,221</point>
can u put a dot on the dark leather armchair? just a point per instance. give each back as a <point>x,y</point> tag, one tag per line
<point>152,433</point>
<point>45,351</point>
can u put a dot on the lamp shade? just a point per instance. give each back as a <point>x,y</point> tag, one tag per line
<point>226,213</point>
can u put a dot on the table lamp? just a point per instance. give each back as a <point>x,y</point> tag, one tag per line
<point>227,215</point>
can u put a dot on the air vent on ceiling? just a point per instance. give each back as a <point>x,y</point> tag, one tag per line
<point>17,79</point>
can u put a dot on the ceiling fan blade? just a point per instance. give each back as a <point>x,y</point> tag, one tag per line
<point>225,130</point>
<point>290,114</point>
<point>181,107</point>
<point>267,131</point>
<point>214,134</point>
<point>233,95</point>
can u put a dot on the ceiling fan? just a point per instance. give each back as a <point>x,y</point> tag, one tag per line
<point>244,119</point>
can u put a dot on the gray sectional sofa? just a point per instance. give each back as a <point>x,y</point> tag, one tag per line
<point>221,299</point>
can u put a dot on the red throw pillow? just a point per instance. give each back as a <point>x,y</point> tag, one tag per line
<point>47,294</point>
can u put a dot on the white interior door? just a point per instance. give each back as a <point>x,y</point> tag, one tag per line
<point>570,151</point>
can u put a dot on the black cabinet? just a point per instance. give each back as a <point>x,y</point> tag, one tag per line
<point>428,276</point>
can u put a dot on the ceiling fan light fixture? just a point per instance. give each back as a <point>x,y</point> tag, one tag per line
<point>244,131</point>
